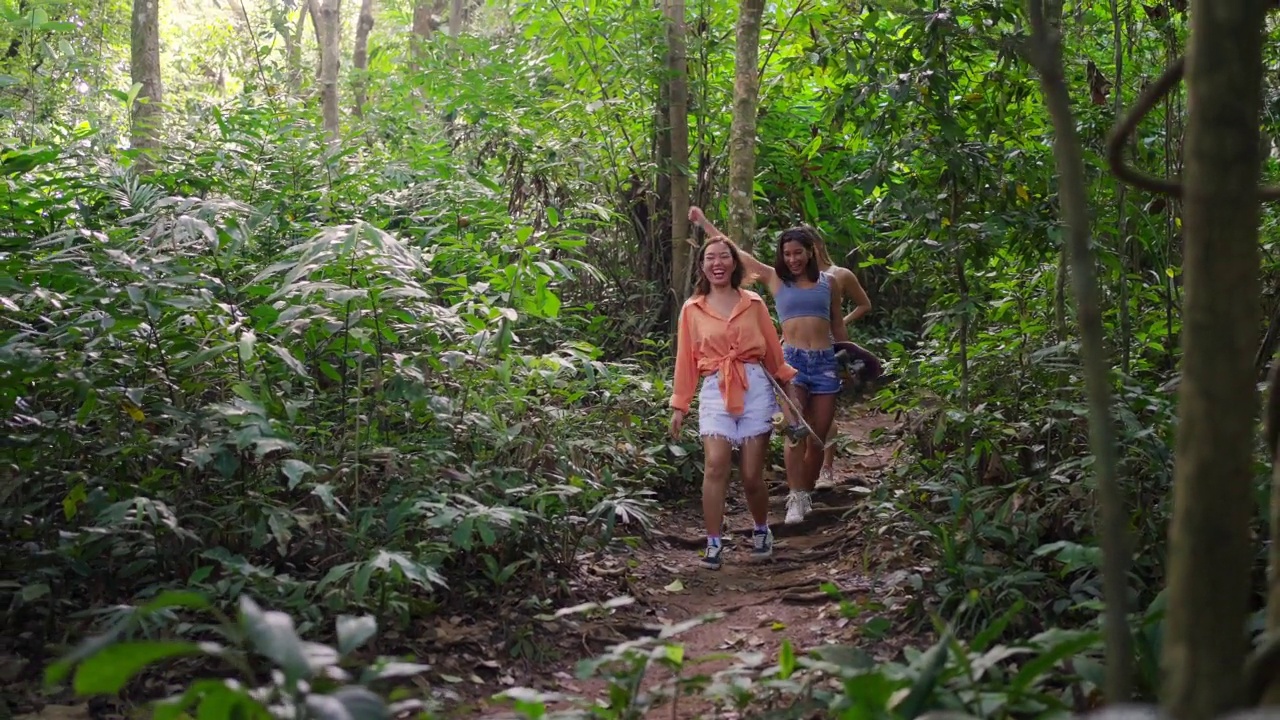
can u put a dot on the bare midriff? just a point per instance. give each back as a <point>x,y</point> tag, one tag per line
<point>807,333</point>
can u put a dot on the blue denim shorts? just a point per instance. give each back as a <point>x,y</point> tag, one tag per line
<point>815,369</point>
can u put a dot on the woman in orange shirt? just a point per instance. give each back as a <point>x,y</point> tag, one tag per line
<point>809,314</point>
<point>727,338</point>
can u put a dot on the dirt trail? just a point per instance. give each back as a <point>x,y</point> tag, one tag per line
<point>842,542</point>
<point>764,603</point>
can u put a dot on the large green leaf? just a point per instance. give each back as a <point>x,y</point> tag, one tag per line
<point>272,633</point>
<point>354,632</point>
<point>107,671</point>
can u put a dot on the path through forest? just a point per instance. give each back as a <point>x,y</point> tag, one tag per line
<point>763,604</point>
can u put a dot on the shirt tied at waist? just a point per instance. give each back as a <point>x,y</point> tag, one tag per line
<point>732,368</point>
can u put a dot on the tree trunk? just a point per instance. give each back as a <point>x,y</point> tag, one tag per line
<point>425,22</point>
<point>1122,236</point>
<point>293,52</point>
<point>1060,294</point>
<point>742,133</point>
<point>1264,676</point>
<point>1072,193</point>
<point>360,55</point>
<point>1209,546</point>
<point>144,69</point>
<point>678,114</point>
<point>659,250</point>
<point>329,61</point>
<point>313,8</point>
<point>455,18</point>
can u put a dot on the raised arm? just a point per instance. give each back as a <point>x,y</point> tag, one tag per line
<point>853,290</point>
<point>750,264</point>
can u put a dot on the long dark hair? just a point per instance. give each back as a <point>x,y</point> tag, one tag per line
<point>806,236</point>
<point>735,278</point>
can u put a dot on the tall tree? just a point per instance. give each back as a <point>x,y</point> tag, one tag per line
<point>1046,24</point>
<point>455,18</point>
<point>678,112</point>
<point>293,47</point>
<point>742,133</point>
<point>144,70</point>
<point>1122,232</point>
<point>360,55</point>
<point>426,20</point>
<point>313,9</point>
<point>1209,545</point>
<point>330,14</point>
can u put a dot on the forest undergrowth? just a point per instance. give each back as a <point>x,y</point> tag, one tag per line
<point>406,431</point>
<point>373,423</point>
<point>297,416</point>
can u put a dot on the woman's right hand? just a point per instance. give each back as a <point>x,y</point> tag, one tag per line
<point>696,215</point>
<point>677,421</point>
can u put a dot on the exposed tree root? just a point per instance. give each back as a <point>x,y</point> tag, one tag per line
<point>763,600</point>
<point>790,586</point>
<point>840,539</point>
<point>807,557</point>
<point>818,517</point>
<point>810,598</point>
<point>684,541</point>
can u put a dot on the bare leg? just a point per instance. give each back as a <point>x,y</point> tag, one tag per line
<point>793,454</point>
<point>820,413</point>
<point>754,452</point>
<point>798,502</point>
<point>829,455</point>
<point>717,458</point>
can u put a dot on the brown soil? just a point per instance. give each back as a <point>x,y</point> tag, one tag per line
<point>763,603</point>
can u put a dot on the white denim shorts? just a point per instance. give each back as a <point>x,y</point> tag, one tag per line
<point>759,405</point>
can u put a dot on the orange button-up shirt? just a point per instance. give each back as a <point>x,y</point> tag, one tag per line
<point>707,342</point>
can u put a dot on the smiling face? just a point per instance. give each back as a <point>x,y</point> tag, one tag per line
<point>718,264</point>
<point>796,256</point>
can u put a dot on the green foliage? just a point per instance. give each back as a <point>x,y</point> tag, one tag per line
<point>308,679</point>
<point>424,367</point>
<point>1041,677</point>
<point>252,398</point>
<point>980,678</point>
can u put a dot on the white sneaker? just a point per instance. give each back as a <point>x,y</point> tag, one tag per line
<point>826,480</point>
<point>798,505</point>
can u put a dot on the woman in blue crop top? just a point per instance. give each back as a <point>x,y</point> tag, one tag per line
<point>809,310</point>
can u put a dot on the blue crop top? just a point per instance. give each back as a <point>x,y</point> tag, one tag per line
<point>794,302</point>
